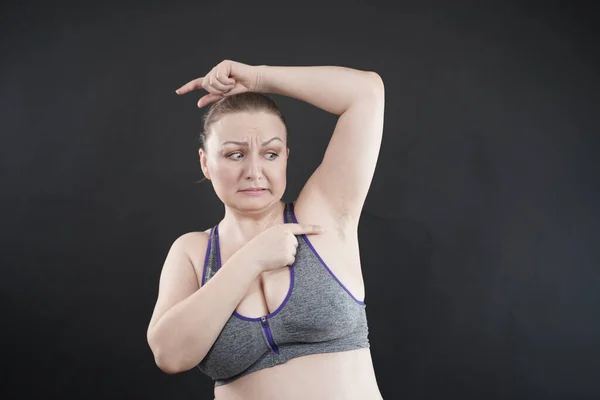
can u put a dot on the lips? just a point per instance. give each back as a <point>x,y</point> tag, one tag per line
<point>253,190</point>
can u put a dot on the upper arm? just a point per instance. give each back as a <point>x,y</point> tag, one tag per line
<point>344,176</point>
<point>178,278</point>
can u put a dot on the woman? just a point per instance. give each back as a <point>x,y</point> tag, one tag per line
<point>270,301</point>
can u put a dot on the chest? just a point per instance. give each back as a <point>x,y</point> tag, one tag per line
<point>336,249</point>
<point>313,306</point>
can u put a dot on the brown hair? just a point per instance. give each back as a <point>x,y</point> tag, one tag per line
<point>241,102</point>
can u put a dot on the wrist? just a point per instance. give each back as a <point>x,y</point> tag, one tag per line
<point>244,257</point>
<point>262,84</point>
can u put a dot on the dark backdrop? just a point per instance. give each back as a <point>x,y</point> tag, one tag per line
<point>479,237</point>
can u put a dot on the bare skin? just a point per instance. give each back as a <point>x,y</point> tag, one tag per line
<point>345,375</point>
<point>181,328</point>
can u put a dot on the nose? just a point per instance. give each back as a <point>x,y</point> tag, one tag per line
<point>253,168</point>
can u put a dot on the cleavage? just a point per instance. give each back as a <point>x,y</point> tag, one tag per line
<point>266,294</point>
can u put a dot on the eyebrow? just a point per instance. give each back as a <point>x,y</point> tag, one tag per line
<point>246,143</point>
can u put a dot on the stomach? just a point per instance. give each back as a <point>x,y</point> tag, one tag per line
<point>347,375</point>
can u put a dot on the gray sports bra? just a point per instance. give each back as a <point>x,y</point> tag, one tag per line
<point>318,315</point>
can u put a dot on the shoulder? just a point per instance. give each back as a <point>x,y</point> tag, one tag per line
<point>190,239</point>
<point>194,245</point>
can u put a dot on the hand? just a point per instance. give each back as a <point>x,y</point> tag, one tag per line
<point>276,246</point>
<point>225,79</point>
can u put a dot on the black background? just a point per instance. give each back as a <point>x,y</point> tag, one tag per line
<point>479,237</point>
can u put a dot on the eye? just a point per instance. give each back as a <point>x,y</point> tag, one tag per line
<point>229,156</point>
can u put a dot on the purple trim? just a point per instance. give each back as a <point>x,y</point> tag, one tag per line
<point>218,247</point>
<point>206,256</point>
<point>362,303</point>
<point>287,297</point>
<point>240,316</point>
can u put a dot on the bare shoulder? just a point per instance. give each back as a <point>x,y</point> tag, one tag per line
<point>177,279</point>
<point>195,244</point>
<point>189,240</point>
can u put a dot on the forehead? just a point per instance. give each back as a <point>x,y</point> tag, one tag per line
<point>244,124</point>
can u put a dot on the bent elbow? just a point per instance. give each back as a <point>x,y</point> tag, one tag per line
<point>376,79</point>
<point>374,86</point>
<point>163,359</point>
<point>172,358</point>
<point>171,362</point>
<point>167,366</point>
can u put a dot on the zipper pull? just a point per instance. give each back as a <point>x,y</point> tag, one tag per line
<point>263,319</point>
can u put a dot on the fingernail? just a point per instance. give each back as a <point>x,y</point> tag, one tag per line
<point>177,91</point>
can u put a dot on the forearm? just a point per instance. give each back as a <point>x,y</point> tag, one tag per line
<point>185,333</point>
<point>330,88</point>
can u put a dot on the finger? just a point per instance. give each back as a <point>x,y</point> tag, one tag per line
<point>222,81</point>
<point>220,86</point>
<point>305,229</point>
<point>211,89</point>
<point>208,99</point>
<point>238,88</point>
<point>211,85</point>
<point>191,85</point>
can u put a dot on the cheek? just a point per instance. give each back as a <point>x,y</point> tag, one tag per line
<point>227,176</point>
<point>281,174</point>
<point>222,174</point>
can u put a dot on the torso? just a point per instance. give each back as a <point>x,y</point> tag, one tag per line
<point>345,375</point>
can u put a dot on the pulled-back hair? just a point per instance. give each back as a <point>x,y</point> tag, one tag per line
<point>241,102</point>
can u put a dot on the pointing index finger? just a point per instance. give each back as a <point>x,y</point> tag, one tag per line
<point>191,85</point>
<point>305,229</point>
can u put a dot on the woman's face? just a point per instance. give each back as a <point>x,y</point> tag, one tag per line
<point>258,159</point>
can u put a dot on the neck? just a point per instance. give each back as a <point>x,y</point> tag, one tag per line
<point>241,226</point>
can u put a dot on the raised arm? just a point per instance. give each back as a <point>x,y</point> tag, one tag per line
<point>344,176</point>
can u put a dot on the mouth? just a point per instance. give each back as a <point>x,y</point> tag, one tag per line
<point>253,190</point>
